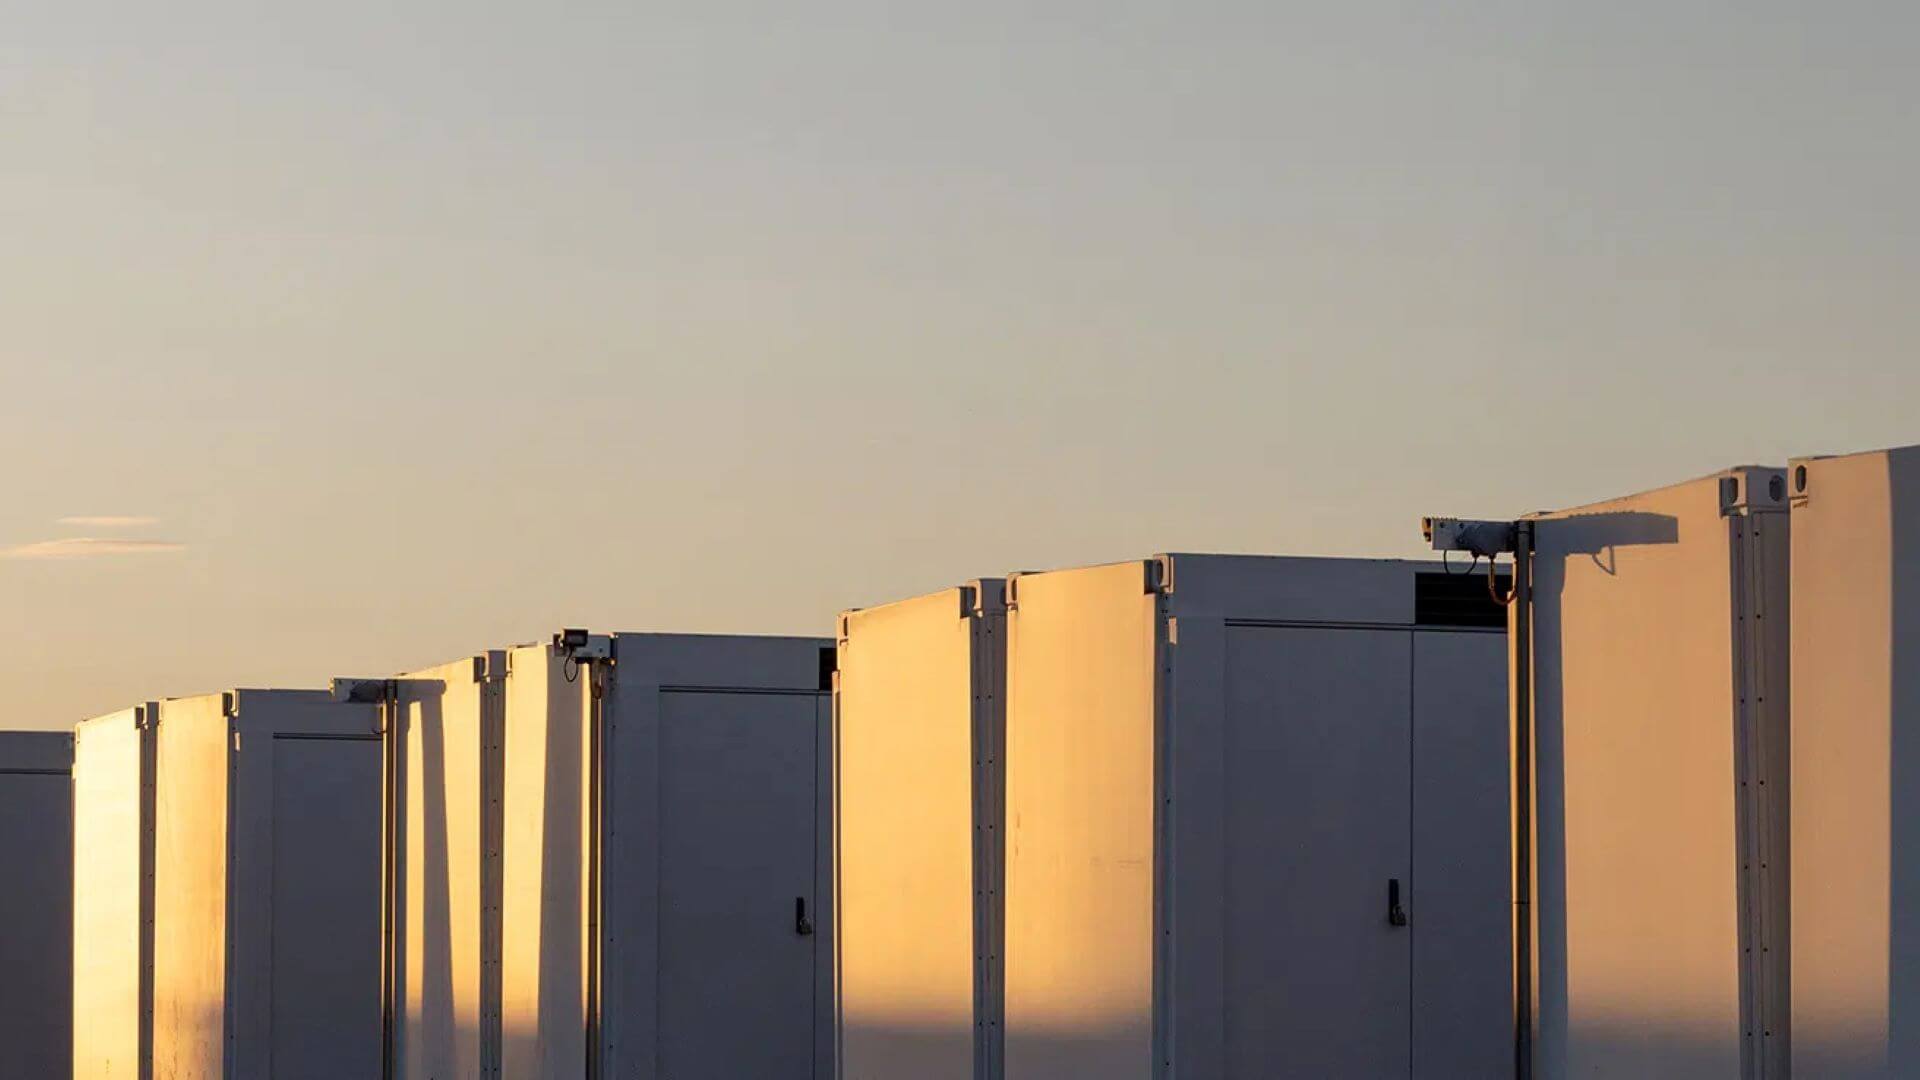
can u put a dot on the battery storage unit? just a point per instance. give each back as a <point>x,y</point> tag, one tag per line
<point>1257,822</point>
<point>263,817</point>
<point>1856,765</point>
<point>1660,637</point>
<point>918,721</point>
<point>666,900</point>
<point>36,903</point>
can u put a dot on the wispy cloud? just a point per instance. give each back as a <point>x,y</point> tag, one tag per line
<point>109,521</point>
<point>88,547</point>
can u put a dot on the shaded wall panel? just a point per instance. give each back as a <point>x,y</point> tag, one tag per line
<point>36,902</point>
<point>544,900</point>
<point>1856,766</point>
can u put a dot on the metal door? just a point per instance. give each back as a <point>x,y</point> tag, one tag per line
<point>36,923</point>
<point>1318,779</point>
<point>1462,899</point>
<point>325,1004</point>
<point>738,897</point>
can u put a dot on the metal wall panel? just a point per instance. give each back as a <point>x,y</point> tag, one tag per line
<point>449,799</point>
<point>712,706</point>
<point>662,814</point>
<point>1319,797</point>
<point>36,903</point>
<point>1650,760</point>
<point>1081,817</point>
<point>544,899</point>
<point>191,909</point>
<point>917,727</point>
<point>1462,889</point>
<point>324,1021</point>
<point>267,907</point>
<point>736,972</point>
<point>336,837</point>
<point>1209,796</point>
<point>1293,589</point>
<point>1856,765</point>
<point>112,897</point>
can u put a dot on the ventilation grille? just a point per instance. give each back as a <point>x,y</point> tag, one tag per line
<point>1459,599</point>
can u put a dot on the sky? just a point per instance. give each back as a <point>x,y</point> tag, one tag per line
<point>349,338</point>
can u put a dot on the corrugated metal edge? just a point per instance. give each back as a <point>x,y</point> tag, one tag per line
<point>1758,766</point>
<point>148,723</point>
<point>490,670</point>
<point>983,606</point>
<point>1159,584</point>
<point>835,957</point>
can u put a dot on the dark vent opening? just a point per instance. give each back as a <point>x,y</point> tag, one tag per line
<point>1459,599</point>
<point>829,663</point>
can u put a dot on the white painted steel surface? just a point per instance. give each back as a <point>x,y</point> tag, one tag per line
<point>113,896</point>
<point>36,903</point>
<point>918,722</point>
<point>1217,768</point>
<point>1461,996</point>
<point>323,937</point>
<point>267,887</point>
<point>1660,638</point>
<point>1856,765</point>
<point>447,974</point>
<point>663,815</point>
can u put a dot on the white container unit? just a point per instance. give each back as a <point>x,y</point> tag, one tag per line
<point>666,890</point>
<point>36,903</point>
<point>1257,822</point>
<point>918,720</point>
<point>264,823</point>
<point>1856,765</point>
<point>1660,637</point>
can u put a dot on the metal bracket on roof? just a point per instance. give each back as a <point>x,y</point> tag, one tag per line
<point>989,597</point>
<point>492,664</point>
<point>1010,592</point>
<point>1160,574</point>
<point>1801,481</point>
<point>229,704</point>
<point>1753,491</point>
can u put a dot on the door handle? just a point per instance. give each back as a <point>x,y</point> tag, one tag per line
<point>1396,914</point>
<point>801,924</point>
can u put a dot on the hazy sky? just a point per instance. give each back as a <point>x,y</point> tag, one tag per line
<point>422,328</point>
